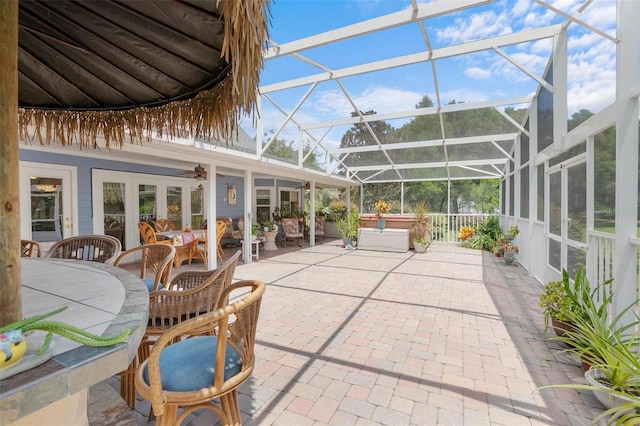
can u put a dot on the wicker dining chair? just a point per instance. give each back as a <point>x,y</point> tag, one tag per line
<point>30,248</point>
<point>163,225</point>
<point>157,257</point>
<point>94,248</point>
<point>221,228</point>
<point>148,234</point>
<point>200,249</point>
<point>211,365</point>
<point>190,294</point>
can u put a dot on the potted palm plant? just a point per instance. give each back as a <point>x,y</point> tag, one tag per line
<point>348,226</point>
<point>420,221</point>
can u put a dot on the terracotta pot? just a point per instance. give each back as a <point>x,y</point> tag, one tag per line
<point>561,327</point>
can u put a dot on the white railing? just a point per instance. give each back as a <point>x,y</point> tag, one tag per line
<point>445,227</point>
<point>601,253</point>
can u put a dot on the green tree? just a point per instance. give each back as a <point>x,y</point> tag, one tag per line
<point>286,151</point>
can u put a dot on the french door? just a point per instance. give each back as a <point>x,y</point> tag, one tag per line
<point>567,213</point>
<point>121,200</point>
<point>48,210</point>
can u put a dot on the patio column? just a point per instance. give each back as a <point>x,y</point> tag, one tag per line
<point>248,215</point>
<point>10,293</point>
<point>211,188</point>
<point>627,71</point>
<point>312,214</point>
<point>347,199</point>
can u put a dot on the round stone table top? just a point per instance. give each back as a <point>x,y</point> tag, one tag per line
<point>101,299</point>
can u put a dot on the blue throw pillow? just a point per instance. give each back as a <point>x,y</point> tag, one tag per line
<point>190,364</point>
<point>149,284</point>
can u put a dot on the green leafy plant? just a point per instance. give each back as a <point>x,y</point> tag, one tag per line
<point>513,231</point>
<point>421,240</point>
<point>491,227</point>
<point>479,241</point>
<point>564,299</point>
<point>485,236</point>
<point>349,225</point>
<point>554,302</point>
<point>610,347</point>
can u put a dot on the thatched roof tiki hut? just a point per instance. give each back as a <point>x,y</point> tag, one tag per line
<point>104,73</point>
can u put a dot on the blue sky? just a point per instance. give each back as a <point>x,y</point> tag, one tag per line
<point>477,77</point>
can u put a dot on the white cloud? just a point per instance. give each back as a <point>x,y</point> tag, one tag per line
<point>478,73</point>
<point>593,95</point>
<point>521,8</point>
<point>601,15</point>
<point>475,27</point>
<point>386,99</point>
<point>541,47</point>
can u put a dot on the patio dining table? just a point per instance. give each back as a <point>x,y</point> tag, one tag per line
<point>183,241</point>
<point>100,299</point>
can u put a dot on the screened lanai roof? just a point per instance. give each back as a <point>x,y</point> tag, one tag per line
<point>479,62</point>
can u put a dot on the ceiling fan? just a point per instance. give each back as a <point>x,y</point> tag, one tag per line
<point>198,173</point>
<point>306,187</point>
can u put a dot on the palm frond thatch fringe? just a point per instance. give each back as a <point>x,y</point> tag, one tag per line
<point>213,113</point>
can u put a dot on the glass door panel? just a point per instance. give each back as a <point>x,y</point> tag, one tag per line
<point>289,202</point>
<point>294,197</point>
<point>197,208</point>
<point>113,199</point>
<point>174,205</point>
<point>285,204</point>
<point>147,203</point>
<point>46,209</point>
<point>263,205</point>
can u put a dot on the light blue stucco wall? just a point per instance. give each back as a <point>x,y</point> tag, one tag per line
<point>85,165</point>
<point>223,209</point>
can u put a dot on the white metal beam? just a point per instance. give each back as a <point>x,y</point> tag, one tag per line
<point>423,11</point>
<point>416,58</point>
<point>419,112</point>
<point>426,143</point>
<point>486,162</point>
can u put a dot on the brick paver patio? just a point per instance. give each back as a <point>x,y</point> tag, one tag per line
<point>449,337</point>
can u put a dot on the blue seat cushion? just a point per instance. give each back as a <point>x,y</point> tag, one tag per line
<point>149,283</point>
<point>190,364</point>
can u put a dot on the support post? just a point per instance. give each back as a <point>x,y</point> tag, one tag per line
<point>10,292</point>
<point>627,69</point>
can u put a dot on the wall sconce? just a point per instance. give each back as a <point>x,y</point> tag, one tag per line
<point>232,198</point>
